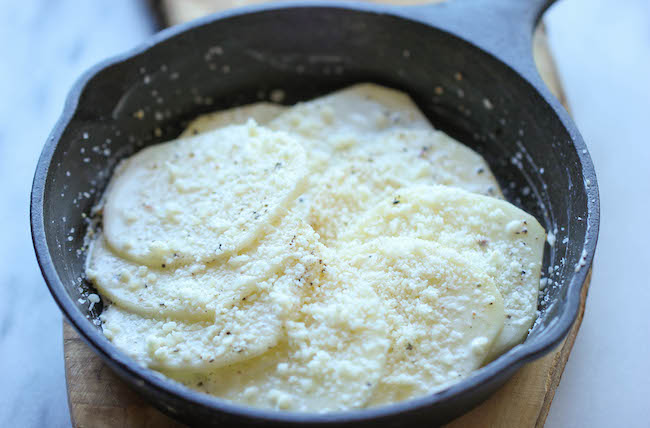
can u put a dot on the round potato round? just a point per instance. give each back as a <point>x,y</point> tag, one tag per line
<point>332,358</point>
<point>261,113</point>
<point>246,302</point>
<point>507,241</point>
<point>372,169</point>
<point>198,199</point>
<point>443,313</point>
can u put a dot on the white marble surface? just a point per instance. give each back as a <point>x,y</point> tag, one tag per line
<point>45,45</point>
<point>603,53</point>
<point>603,50</point>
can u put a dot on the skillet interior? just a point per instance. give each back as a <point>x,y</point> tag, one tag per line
<point>290,55</point>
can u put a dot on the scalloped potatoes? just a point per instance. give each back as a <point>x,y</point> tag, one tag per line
<point>333,255</point>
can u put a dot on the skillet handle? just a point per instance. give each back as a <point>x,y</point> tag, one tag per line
<point>503,28</point>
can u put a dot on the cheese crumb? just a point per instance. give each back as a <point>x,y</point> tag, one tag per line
<point>550,238</point>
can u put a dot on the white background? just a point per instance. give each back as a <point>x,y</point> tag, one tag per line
<point>603,53</point>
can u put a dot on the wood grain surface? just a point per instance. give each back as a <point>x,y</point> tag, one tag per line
<point>98,398</point>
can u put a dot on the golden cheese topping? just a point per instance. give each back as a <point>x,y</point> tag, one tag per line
<point>333,255</point>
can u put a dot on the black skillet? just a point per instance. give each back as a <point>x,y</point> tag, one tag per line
<point>468,65</point>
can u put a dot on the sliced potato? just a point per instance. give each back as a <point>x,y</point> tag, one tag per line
<point>261,112</point>
<point>443,313</point>
<point>364,108</point>
<point>247,331</point>
<point>372,169</point>
<point>212,255</point>
<point>365,141</point>
<point>198,199</point>
<point>277,266</point>
<point>245,302</point>
<point>507,241</point>
<point>332,359</point>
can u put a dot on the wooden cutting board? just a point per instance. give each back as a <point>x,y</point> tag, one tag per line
<point>98,398</point>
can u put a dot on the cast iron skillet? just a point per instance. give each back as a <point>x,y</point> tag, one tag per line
<point>468,65</point>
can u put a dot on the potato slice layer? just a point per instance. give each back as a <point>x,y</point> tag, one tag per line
<point>365,108</point>
<point>246,331</point>
<point>332,359</point>
<point>443,313</point>
<point>261,113</point>
<point>508,242</point>
<point>372,169</point>
<point>198,199</point>
<point>246,302</point>
<point>280,262</point>
<point>340,255</point>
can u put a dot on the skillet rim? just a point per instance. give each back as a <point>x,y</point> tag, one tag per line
<point>505,365</point>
